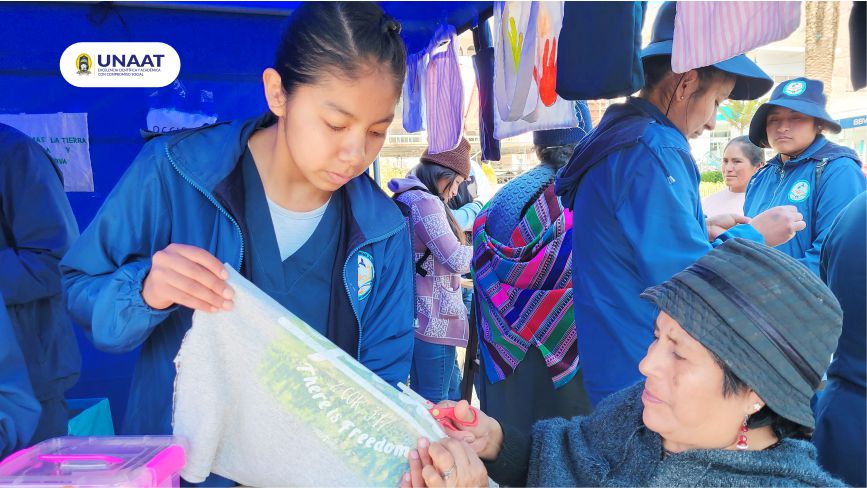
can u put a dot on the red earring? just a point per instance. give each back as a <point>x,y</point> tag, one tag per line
<point>742,438</point>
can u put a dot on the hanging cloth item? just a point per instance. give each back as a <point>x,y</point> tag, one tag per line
<point>561,115</point>
<point>413,92</point>
<point>443,92</point>
<point>549,111</point>
<point>549,24</point>
<point>524,291</point>
<point>706,33</point>
<point>514,60</point>
<point>484,64</point>
<point>610,53</point>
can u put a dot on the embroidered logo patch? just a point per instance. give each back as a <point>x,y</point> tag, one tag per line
<point>800,191</point>
<point>366,274</point>
<point>795,88</point>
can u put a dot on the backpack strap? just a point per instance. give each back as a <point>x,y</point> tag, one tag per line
<point>820,168</point>
<point>419,268</point>
<point>407,211</point>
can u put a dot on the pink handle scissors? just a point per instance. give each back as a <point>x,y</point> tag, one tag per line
<point>447,418</point>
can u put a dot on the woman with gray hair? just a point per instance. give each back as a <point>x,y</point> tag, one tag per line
<point>741,160</point>
<point>741,340</point>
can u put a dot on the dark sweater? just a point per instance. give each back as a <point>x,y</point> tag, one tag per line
<point>612,447</point>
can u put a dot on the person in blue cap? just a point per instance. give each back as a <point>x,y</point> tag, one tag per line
<point>36,228</point>
<point>633,187</point>
<point>19,409</point>
<point>810,172</point>
<point>284,198</point>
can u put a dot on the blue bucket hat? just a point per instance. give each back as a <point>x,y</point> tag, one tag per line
<point>558,137</point>
<point>803,95</point>
<point>572,135</point>
<point>751,82</point>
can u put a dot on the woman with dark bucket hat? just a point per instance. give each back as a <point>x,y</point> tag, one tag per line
<point>810,172</point>
<point>742,338</point>
<point>633,186</point>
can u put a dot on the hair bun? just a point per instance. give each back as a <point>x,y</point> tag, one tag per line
<point>388,25</point>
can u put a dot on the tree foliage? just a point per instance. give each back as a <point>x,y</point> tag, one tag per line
<point>739,113</point>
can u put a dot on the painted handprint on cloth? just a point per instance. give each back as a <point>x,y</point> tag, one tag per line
<point>516,42</point>
<point>548,81</point>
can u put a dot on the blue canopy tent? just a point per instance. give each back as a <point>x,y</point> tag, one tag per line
<point>223,46</point>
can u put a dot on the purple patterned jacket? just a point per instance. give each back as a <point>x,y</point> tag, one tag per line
<point>439,306</point>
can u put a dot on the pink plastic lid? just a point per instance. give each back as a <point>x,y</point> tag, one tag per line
<point>140,461</point>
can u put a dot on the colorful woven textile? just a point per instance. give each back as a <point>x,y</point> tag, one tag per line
<point>524,291</point>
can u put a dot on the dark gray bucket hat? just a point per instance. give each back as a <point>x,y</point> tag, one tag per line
<point>770,320</point>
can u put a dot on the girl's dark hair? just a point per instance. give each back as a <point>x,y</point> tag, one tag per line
<point>430,174</point>
<point>657,68</point>
<point>343,39</point>
<point>783,428</point>
<point>751,151</point>
<point>555,157</point>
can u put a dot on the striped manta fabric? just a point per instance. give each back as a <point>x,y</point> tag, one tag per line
<point>524,291</point>
<point>709,32</point>
<point>443,92</point>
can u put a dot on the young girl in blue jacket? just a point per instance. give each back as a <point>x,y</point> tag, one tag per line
<point>283,198</point>
<point>810,172</point>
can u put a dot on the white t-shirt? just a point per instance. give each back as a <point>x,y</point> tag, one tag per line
<point>722,202</point>
<point>293,228</point>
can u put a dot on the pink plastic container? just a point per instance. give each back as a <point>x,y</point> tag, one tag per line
<point>135,461</point>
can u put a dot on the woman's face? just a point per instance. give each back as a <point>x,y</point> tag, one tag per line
<point>683,396</point>
<point>335,128</point>
<point>737,168</point>
<point>790,132</point>
<point>695,113</point>
<point>449,188</point>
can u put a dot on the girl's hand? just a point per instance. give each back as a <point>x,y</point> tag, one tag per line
<point>188,276</point>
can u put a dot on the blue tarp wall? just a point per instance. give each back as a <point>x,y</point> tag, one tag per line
<point>224,47</point>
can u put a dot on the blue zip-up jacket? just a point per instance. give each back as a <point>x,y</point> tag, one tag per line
<point>36,228</point>
<point>19,409</point>
<point>794,183</point>
<point>841,412</point>
<point>633,187</point>
<point>184,188</point>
